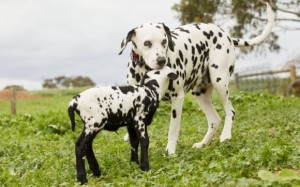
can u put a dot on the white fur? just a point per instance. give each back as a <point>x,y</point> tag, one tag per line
<point>204,58</point>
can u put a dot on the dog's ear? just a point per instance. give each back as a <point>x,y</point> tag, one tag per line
<point>126,40</point>
<point>143,79</point>
<point>172,76</point>
<point>170,41</point>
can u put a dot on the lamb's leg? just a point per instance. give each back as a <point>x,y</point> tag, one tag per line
<point>144,140</point>
<point>93,164</point>
<point>80,153</point>
<point>134,142</point>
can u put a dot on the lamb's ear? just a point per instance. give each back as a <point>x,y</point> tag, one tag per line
<point>126,40</point>
<point>170,41</point>
<point>172,76</point>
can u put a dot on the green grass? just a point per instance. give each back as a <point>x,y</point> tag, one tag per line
<point>50,100</point>
<point>37,146</point>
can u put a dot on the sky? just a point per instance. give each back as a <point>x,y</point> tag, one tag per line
<point>49,38</point>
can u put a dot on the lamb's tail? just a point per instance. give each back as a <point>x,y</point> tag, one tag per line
<point>271,18</point>
<point>71,111</point>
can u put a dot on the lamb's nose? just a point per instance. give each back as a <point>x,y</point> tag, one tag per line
<point>161,61</point>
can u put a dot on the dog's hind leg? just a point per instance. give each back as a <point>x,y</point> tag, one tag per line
<point>220,78</point>
<point>203,97</point>
<point>229,110</point>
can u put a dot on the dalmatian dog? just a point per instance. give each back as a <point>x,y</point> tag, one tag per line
<point>203,56</point>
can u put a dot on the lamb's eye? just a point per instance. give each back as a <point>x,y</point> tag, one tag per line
<point>163,43</point>
<point>147,43</point>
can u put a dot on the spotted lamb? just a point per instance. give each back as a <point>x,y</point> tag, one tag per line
<point>112,107</point>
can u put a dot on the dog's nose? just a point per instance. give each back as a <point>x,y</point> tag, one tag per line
<point>161,61</point>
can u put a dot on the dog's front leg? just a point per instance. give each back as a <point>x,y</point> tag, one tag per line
<point>177,103</point>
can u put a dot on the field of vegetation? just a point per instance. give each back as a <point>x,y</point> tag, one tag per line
<point>37,146</point>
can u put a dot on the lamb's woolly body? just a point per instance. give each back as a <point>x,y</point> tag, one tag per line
<point>112,107</point>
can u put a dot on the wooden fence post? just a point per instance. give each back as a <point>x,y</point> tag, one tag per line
<point>293,74</point>
<point>13,102</point>
<point>237,81</point>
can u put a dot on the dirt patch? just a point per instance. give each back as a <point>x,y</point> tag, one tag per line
<point>6,95</point>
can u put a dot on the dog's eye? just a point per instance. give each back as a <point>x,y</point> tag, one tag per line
<point>147,43</point>
<point>163,43</point>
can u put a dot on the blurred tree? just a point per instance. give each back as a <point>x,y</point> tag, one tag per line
<point>49,83</point>
<point>68,82</point>
<point>249,17</point>
<point>16,87</point>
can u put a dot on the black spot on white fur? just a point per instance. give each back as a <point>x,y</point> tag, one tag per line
<point>174,113</point>
<point>215,66</point>
<point>219,46</point>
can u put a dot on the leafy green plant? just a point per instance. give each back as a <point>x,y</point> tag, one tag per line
<point>37,147</point>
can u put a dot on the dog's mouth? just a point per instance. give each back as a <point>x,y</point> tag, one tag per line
<point>139,60</point>
<point>136,59</point>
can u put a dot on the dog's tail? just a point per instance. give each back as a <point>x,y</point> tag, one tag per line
<point>271,18</point>
<point>71,111</point>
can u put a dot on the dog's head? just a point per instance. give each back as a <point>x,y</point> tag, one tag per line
<point>151,43</point>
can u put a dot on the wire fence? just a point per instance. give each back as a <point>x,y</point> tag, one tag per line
<point>273,82</point>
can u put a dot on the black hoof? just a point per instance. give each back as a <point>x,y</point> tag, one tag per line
<point>83,181</point>
<point>135,161</point>
<point>97,173</point>
<point>145,167</point>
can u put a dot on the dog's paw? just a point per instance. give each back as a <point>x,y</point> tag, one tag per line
<point>198,145</point>
<point>225,136</point>
<point>171,150</point>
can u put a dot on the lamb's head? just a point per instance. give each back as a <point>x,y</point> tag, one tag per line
<point>159,79</point>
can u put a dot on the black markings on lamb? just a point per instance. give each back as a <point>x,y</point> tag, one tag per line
<point>130,106</point>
